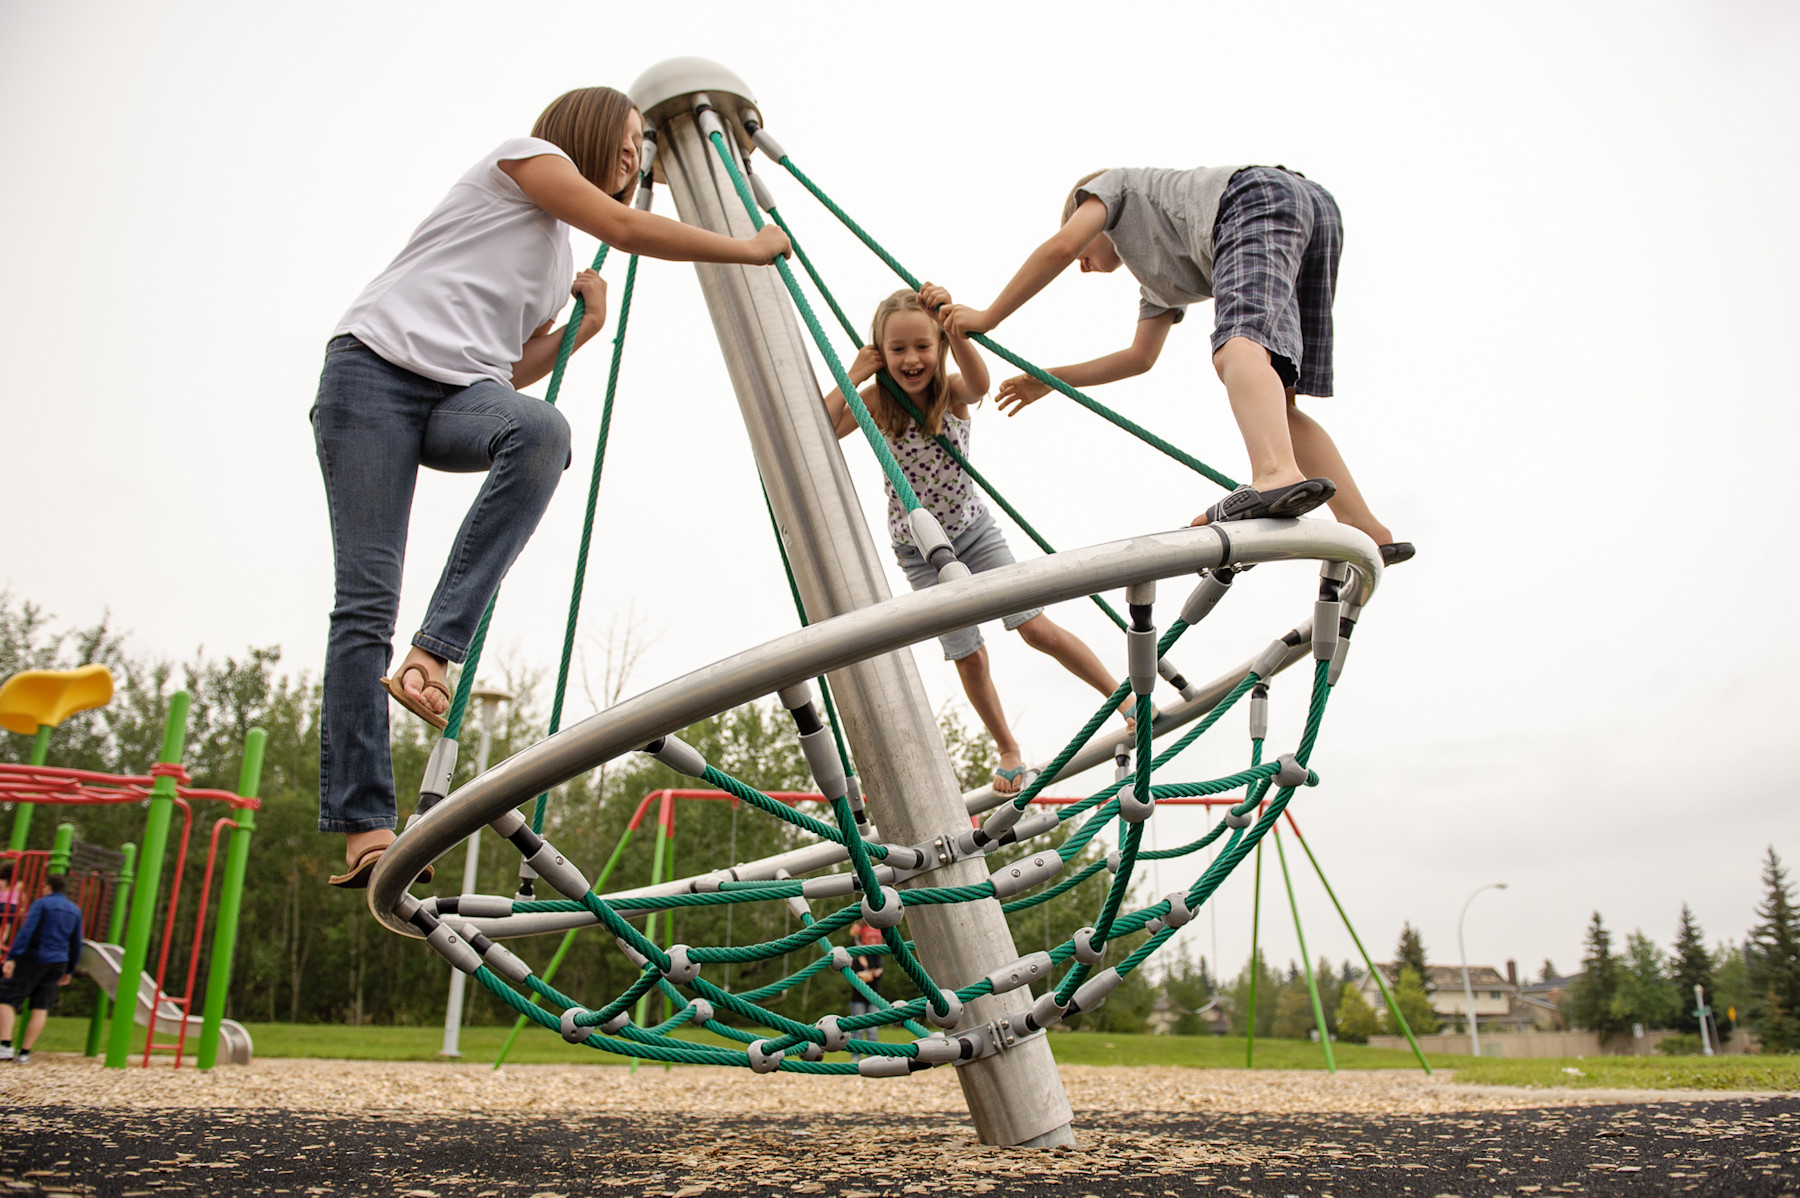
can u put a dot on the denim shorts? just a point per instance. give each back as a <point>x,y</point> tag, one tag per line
<point>979,547</point>
<point>1275,260</point>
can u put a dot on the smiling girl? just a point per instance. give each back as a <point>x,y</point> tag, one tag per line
<point>906,341</point>
<point>423,370</point>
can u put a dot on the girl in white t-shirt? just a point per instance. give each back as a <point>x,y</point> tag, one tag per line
<point>907,341</point>
<point>423,371</point>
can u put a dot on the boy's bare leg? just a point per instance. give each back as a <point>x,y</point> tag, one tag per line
<point>8,1016</point>
<point>978,685</point>
<point>1259,405</point>
<point>1318,457</point>
<point>34,1027</point>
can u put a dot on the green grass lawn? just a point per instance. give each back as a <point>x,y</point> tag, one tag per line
<point>537,1046</point>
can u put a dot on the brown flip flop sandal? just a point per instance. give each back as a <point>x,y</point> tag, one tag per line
<point>359,874</point>
<point>394,687</point>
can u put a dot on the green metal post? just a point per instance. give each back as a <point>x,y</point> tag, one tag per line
<point>21,829</point>
<point>1368,963</point>
<point>231,901</point>
<point>1312,986</point>
<point>1255,930</point>
<point>115,928</point>
<point>61,849</point>
<point>143,906</point>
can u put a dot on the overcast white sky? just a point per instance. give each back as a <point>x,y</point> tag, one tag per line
<point>1565,289</point>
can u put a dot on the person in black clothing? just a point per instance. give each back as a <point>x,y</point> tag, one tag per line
<point>43,957</point>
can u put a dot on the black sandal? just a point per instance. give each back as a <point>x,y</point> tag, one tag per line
<point>1395,552</point>
<point>1295,499</point>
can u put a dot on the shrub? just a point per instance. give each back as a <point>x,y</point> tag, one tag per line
<point>1681,1044</point>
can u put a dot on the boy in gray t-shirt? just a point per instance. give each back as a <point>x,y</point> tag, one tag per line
<point>1263,243</point>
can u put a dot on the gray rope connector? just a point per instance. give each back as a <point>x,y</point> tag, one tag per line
<point>840,957</point>
<point>440,767</point>
<point>1114,860</point>
<point>1036,824</point>
<point>573,1032</point>
<point>764,142</point>
<point>541,856</point>
<point>499,958</point>
<point>631,953</point>
<point>473,906</point>
<point>1023,874</point>
<point>453,948</point>
<point>890,913</point>
<point>1346,626</point>
<point>816,741</point>
<point>702,1012</point>
<point>951,1015</point>
<point>853,792</point>
<point>934,546</point>
<point>812,1051</point>
<point>835,1036</point>
<point>764,198</point>
<point>708,121</point>
<point>1259,711</point>
<point>616,1024</point>
<point>1179,913</point>
<point>1214,584</point>
<point>1121,761</point>
<point>1140,638</point>
<point>1270,659</point>
<point>1293,773</point>
<point>1086,951</point>
<point>1027,969</point>
<point>1234,818</point>
<point>937,1050</point>
<point>1175,678</point>
<point>1045,1012</point>
<point>1093,993</point>
<point>1133,809</point>
<point>888,1066</point>
<point>678,755</point>
<point>761,1059</point>
<point>682,967</point>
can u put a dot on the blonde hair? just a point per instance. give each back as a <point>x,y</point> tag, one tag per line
<point>887,412</point>
<point>1074,200</point>
<point>588,124</point>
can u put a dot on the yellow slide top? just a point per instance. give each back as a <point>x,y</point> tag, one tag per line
<point>32,699</point>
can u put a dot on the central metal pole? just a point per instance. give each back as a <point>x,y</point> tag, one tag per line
<point>1016,1096</point>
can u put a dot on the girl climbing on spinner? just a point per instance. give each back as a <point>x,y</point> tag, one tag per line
<point>423,370</point>
<point>907,341</point>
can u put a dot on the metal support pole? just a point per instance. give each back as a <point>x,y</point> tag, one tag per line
<point>1312,984</point>
<point>21,829</point>
<point>231,901</point>
<point>1468,991</point>
<point>115,927</point>
<point>489,702</point>
<point>1701,1011</point>
<point>1015,1097</point>
<point>143,906</point>
<point>61,849</point>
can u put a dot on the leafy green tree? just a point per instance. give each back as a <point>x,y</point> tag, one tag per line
<point>1645,995</point>
<point>1691,966</point>
<point>1731,978</point>
<point>1410,953</point>
<point>1772,963</point>
<point>1548,971</point>
<point>1268,985</point>
<point>1356,1019</point>
<point>973,756</point>
<point>1189,986</point>
<point>1414,1003</point>
<point>1591,997</point>
<point>1293,1013</point>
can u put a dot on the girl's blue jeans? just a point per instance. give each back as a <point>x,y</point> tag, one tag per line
<point>375,424</point>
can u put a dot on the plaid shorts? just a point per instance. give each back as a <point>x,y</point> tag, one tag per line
<point>1275,259</point>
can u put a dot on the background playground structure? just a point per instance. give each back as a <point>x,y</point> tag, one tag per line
<point>120,905</point>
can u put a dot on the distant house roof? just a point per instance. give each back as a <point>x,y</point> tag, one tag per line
<point>1549,985</point>
<point>1450,977</point>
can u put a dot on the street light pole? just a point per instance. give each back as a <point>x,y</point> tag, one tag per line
<point>488,702</point>
<point>1468,991</point>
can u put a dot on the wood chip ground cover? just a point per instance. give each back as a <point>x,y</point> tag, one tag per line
<point>463,1131</point>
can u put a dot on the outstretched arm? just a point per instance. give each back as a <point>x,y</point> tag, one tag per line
<point>1044,264</point>
<point>553,184</point>
<point>973,380</point>
<point>539,356</point>
<point>861,370</point>
<point>1146,347</point>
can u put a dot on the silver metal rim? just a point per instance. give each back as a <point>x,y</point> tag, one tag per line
<point>830,644</point>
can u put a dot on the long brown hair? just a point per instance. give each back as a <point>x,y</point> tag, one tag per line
<point>884,408</point>
<point>588,124</point>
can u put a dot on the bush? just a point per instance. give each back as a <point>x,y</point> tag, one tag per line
<point>1681,1044</point>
